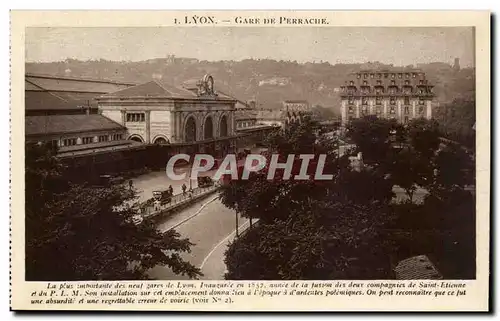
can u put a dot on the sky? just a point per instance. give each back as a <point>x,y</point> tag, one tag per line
<point>400,46</point>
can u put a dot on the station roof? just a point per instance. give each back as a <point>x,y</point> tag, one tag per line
<point>158,89</point>
<point>73,84</point>
<point>55,124</point>
<point>48,92</point>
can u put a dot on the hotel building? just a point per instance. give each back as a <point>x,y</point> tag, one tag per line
<point>401,94</point>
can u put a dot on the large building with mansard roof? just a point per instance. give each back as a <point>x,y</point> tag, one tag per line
<point>400,93</point>
<point>194,114</point>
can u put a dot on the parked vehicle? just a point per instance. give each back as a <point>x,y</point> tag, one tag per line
<point>108,180</point>
<point>205,181</point>
<point>163,196</point>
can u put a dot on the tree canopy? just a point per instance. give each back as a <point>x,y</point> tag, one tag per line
<point>79,232</point>
<point>350,227</point>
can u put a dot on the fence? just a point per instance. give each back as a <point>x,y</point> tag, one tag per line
<point>178,200</point>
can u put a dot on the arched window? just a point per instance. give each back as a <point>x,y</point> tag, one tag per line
<point>160,141</point>
<point>223,126</point>
<point>190,130</point>
<point>136,138</point>
<point>208,128</point>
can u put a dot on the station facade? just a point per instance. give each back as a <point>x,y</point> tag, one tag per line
<point>195,118</point>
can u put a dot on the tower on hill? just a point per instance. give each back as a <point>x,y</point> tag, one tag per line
<point>456,65</point>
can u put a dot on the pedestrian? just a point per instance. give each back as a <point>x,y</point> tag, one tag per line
<point>157,205</point>
<point>171,190</point>
<point>184,187</point>
<point>130,183</point>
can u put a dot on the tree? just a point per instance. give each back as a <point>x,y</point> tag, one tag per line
<point>409,171</point>
<point>310,229</point>
<point>323,240</point>
<point>454,168</point>
<point>424,137</point>
<point>372,137</point>
<point>270,199</point>
<point>78,232</point>
<point>457,119</point>
<point>365,187</point>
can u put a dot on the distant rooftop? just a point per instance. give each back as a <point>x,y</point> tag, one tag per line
<point>298,101</point>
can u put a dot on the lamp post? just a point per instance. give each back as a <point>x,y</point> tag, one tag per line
<point>235,213</point>
<point>237,232</point>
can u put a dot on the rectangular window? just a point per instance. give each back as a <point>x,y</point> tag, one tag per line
<point>364,101</point>
<point>406,119</point>
<point>392,110</point>
<point>87,140</point>
<point>351,83</point>
<point>366,76</point>
<point>136,117</point>
<point>393,76</point>
<point>378,101</point>
<point>407,100</point>
<point>421,82</point>
<point>407,75</point>
<point>421,102</point>
<point>392,102</point>
<point>386,75</point>
<point>372,75</point>
<point>414,75</point>
<point>378,110</point>
<point>421,110</point>
<point>69,142</point>
<point>379,82</point>
<point>117,137</point>
<point>358,76</point>
<point>103,138</point>
<point>379,76</point>
<point>400,76</point>
<point>351,110</point>
<point>350,101</point>
<point>407,110</point>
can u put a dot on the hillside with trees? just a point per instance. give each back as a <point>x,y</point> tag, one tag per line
<point>265,80</point>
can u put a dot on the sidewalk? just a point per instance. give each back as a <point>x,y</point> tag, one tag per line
<point>179,200</point>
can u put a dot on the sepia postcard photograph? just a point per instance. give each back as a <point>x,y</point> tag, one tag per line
<point>205,161</point>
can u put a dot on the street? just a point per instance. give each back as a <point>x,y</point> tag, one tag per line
<point>210,226</point>
<point>158,180</point>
